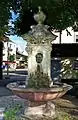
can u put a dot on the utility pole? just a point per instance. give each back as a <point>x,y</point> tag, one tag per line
<point>1,52</point>
<point>7,60</point>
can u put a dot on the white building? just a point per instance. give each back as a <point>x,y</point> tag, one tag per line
<point>10,54</point>
<point>72,37</point>
<point>9,51</point>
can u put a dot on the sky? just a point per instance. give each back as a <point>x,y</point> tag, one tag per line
<point>15,38</point>
<point>18,41</point>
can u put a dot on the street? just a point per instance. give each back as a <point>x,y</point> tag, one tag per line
<point>14,76</point>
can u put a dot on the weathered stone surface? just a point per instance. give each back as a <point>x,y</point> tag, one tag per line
<point>44,49</point>
<point>47,110</point>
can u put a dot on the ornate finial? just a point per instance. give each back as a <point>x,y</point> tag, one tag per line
<point>40,16</point>
<point>39,8</point>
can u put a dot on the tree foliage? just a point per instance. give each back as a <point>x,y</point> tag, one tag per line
<point>11,58</point>
<point>60,14</point>
<point>5,13</point>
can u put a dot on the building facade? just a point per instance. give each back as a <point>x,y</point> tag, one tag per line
<point>67,36</point>
<point>9,55</point>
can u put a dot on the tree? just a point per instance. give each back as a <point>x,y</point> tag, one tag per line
<point>74,10</point>
<point>11,58</point>
<point>5,15</point>
<point>59,14</point>
<point>64,17</point>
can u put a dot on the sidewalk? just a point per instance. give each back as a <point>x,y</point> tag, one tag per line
<point>8,103</point>
<point>5,92</point>
<point>14,76</point>
<point>11,78</point>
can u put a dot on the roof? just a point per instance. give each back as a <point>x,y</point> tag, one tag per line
<point>21,53</point>
<point>64,50</point>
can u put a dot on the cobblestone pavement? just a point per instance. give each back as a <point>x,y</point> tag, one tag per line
<point>64,106</point>
<point>8,102</point>
<point>11,101</point>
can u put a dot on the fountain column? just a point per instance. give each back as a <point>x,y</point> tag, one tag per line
<point>39,41</point>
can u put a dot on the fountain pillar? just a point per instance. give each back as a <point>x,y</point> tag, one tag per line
<point>39,41</point>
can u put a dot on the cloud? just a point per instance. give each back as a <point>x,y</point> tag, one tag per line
<point>18,41</point>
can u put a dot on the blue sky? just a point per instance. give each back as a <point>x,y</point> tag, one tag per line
<point>18,41</point>
<point>15,38</point>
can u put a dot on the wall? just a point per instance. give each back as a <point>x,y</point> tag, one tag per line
<point>64,38</point>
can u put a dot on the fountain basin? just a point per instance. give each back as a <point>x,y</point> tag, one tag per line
<point>39,95</point>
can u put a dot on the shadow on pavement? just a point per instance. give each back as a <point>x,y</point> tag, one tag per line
<point>5,92</point>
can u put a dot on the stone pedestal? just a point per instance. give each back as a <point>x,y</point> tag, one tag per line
<point>42,111</point>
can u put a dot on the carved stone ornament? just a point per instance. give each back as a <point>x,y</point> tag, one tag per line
<point>39,57</point>
<point>40,16</point>
<point>39,33</point>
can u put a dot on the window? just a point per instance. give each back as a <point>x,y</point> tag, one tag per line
<point>75,65</point>
<point>10,45</point>
<point>76,38</point>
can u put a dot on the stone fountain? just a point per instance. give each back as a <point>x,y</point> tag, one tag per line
<point>39,89</point>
